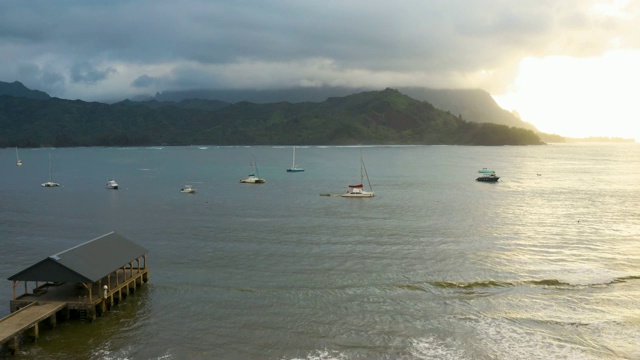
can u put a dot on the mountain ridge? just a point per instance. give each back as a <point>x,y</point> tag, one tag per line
<point>375,117</point>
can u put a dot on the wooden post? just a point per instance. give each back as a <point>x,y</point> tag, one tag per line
<point>53,321</point>
<point>91,294</point>
<point>13,345</point>
<point>34,332</point>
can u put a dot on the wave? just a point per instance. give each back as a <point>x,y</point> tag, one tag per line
<point>506,284</point>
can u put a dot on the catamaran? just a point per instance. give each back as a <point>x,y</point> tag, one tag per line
<point>253,178</point>
<point>50,183</point>
<point>358,191</point>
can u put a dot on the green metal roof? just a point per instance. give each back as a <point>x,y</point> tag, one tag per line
<point>87,262</point>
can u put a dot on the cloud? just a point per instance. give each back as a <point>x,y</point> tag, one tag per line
<point>158,45</point>
<point>87,73</point>
<point>144,81</point>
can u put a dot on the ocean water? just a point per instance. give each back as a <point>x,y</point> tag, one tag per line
<point>544,264</point>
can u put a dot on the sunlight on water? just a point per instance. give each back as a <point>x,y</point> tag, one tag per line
<point>544,264</point>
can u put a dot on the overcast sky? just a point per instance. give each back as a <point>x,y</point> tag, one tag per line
<point>111,50</point>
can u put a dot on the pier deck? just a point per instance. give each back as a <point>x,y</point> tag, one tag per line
<point>26,318</point>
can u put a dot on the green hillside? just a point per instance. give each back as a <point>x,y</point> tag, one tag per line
<point>376,117</point>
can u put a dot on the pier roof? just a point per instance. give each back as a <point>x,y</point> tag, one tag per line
<point>87,262</point>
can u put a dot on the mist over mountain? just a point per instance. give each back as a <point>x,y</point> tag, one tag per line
<point>373,117</point>
<point>474,105</point>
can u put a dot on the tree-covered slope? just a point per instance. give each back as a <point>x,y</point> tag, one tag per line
<point>376,117</point>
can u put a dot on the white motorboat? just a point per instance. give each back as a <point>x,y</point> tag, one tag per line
<point>187,189</point>
<point>112,184</point>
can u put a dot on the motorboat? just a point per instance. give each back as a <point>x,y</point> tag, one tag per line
<point>112,184</point>
<point>187,189</point>
<point>487,175</point>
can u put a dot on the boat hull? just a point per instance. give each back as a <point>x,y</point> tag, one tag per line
<point>295,170</point>
<point>253,180</point>
<point>363,195</point>
<point>488,178</point>
<point>111,184</point>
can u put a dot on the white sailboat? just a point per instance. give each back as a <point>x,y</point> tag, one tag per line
<point>358,191</point>
<point>293,167</point>
<point>50,183</point>
<point>18,161</point>
<point>253,178</point>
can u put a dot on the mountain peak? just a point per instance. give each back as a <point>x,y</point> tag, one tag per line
<point>17,89</point>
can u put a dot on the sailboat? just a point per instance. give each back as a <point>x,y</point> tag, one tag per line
<point>253,178</point>
<point>358,191</point>
<point>293,167</point>
<point>50,183</point>
<point>18,161</point>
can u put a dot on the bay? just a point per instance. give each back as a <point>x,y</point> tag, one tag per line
<point>544,264</point>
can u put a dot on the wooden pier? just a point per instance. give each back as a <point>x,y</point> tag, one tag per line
<point>26,322</point>
<point>66,285</point>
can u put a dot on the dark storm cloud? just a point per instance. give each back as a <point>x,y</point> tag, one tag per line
<point>87,73</point>
<point>195,43</point>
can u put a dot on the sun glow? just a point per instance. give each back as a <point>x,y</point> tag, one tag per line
<point>578,97</point>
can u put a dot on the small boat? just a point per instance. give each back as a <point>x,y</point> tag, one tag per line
<point>187,189</point>
<point>487,175</point>
<point>358,191</point>
<point>50,183</point>
<point>112,184</point>
<point>253,178</point>
<point>293,167</point>
<point>18,161</point>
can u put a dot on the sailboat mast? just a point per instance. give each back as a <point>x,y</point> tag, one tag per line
<point>293,164</point>
<point>49,167</point>
<point>255,165</point>
<point>365,172</point>
<point>361,169</point>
